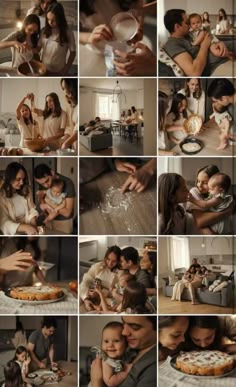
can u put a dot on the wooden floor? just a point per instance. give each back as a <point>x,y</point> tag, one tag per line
<point>121,147</point>
<point>166,306</point>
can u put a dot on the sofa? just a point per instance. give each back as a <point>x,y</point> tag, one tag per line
<point>224,297</point>
<point>97,142</point>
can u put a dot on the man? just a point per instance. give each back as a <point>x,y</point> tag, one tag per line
<point>40,345</point>
<point>129,261</point>
<point>223,94</point>
<point>140,332</point>
<point>44,176</point>
<point>194,60</point>
<point>195,263</point>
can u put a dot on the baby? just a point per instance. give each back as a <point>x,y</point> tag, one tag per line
<point>225,123</point>
<point>112,353</point>
<point>197,35</point>
<point>55,198</point>
<point>217,200</point>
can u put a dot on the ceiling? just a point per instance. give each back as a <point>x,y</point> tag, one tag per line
<point>106,83</point>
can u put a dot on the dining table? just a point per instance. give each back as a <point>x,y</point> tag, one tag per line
<point>69,380</point>
<point>209,136</point>
<point>169,376</point>
<point>105,210</point>
<point>68,304</point>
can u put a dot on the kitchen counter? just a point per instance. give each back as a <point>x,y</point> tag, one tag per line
<point>210,138</point>
<point>109,212</point>
<point>67,380</point>
<point>172,378</point>
<point>68,305</point>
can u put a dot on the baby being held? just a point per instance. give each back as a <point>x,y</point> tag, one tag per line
<point>112,353</point>
<point>218,200</point>
<point>197,34</point>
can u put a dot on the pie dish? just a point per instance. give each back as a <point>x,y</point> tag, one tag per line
<point>32,375</point>
<point>36,293</point>
<point>204,364</point>
<point>191,145</point>
<point>193,124</point>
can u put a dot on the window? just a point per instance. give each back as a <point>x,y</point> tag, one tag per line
<point>106,109</point>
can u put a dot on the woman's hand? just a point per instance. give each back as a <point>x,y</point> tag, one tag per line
<point>140,63</point>
<point>96,373</point>
<point>140,179</point>
<point>100,32</point>
<point>27,229</point>
<point>124,166</point>
<point>20,260</point>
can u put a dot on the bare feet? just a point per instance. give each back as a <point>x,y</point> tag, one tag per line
<point>195,303</point>
<point>222,145</point>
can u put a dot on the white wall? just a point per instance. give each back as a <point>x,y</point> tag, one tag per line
<point>13,90</point>
<point>88,101</point>
<point>91,329</point>
<point>150,118</point>
<point>72,338</point>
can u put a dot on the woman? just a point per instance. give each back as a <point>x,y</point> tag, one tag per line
<point>223,22</point>
<point>148,262</point>
<point>17,210</point>
<point>173,218</point>
<point>23,43</point>
<point>70,88</point>
<point>57,42</point>
<point>206,21</point>
<point>40,10</point>
<point>53,120</point>
<point>195,96</point>
<point>106,271</point>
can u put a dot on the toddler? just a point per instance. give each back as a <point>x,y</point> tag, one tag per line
<point>117,291</point>
<point>112,353</point>
<point>217,201</point>
<point>225,123</point>
<point>55,199</point>
<point>197,34</point>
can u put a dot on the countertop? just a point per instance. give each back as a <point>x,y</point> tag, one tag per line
<point>109,212</point>
<point>68,305</point>
<point>210,138</point>
<point>67,380</point>
<point>172,378</point>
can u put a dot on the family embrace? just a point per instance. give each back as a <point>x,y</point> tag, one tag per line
<point>193,53</point>
<point>121,283</point>
<point>209,204</point>
<point>55,195</point>
<point>127,356</point>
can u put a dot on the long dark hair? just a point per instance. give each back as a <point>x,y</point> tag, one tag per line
<point>205,322</point>
<point>57,106</point>
<point>177,99</point>
<point>134,297</point>
<point>38,10</point>
<point>169,183</point>
<point>12,373</point>
<point>71,84</point>
<point>208,17</point>
<point>10,175</point>
<point>152,255</point>
<point>87,6</point>
<point>162,108</point>
<point>21,35</point>
<point>115,250</point>
<point>224,17</point>
<point>22,242</point>
<point>197,94</point>
<point>62,25</point>
<point>29,120</point>
<point>19,350</point>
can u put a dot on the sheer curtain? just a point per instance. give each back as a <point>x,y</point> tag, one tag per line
<point>106,107</point>
<point>170,165</point>
<point>179,253</point>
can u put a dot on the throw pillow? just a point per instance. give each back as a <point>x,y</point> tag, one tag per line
<point>220,286</point>
<point>172,279</point>
<point>165,58</point>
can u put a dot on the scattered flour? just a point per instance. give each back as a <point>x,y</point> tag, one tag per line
<point>115,202</point>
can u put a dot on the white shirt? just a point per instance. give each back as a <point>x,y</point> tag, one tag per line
<point>17,57</point>
<point>54,55</point>
<point>18,202</point>
<point>51,125</point>
<point>26,131</point>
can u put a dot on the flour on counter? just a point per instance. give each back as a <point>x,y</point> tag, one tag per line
<point>115,201</point>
